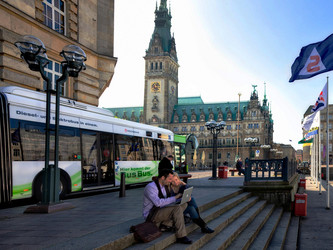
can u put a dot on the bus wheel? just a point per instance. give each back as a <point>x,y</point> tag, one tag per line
<point>38,188</point>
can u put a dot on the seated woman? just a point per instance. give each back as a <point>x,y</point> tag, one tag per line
<point>177,186</point>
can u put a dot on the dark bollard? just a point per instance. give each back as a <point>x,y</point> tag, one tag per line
<point>122,185</point>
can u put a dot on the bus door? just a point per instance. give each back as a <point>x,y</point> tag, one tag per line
<point>97,159</point>
<point>107,159</point>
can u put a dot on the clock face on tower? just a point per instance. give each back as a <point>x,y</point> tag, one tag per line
<point>155,87</point>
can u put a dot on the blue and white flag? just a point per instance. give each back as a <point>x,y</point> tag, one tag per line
<point>313,59</point>
<point>321,102</point>
<point>311,121</point>
<point>312,132</point>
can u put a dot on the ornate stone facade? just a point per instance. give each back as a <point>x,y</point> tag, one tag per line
<point>88,24</point>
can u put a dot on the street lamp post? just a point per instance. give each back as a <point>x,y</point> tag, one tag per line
<point>238,117</point>
<point>273,152</point>
<point>251,141</point>
<point>34,53</point>
<point>215,129</point>
<point>264,147</point>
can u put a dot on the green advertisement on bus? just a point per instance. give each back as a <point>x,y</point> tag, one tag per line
<point>136,171</point>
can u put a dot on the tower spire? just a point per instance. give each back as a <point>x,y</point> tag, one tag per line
<point>163,4</point>
<point>161,40</point>
<point>264,102</point>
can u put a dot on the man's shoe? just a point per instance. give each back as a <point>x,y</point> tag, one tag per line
<point>207,230</point>
<point>184,240</point>
<point>165,228</point>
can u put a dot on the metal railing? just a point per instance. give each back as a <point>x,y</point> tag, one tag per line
<point>274,170</point>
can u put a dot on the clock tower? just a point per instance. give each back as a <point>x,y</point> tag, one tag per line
<point>161,71</point>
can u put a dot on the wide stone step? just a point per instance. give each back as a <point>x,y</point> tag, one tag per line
<point>292,234</point>
<point>225,237</point>
<point>279,236</point>
<point>244,240</point>
<point>210,214</point>
<point>220,223</point>
<point>266,233</point>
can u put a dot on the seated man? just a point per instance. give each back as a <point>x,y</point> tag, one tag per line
<point>154,202</point>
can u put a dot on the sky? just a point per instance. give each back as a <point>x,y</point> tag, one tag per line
<point>224,47</point>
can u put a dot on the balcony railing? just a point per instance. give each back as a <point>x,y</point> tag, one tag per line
<point>274,170</point>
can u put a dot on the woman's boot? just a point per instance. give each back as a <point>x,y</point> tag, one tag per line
<point>200,222</point>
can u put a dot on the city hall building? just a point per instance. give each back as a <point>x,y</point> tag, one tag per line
<point>188,115</point>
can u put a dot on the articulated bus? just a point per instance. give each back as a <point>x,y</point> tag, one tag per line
<point>94,146</point>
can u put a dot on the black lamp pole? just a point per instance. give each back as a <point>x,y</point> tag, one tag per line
<point>215,129</point>
<point>34,53</point>
<point>252,141</point>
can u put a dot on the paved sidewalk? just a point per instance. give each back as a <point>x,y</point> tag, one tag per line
<point>316,229</point>
<point>95,219</point>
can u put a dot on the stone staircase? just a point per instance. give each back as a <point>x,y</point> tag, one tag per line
<point>240,221</point>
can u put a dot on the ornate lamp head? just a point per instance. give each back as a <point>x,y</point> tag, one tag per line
<point>32,51</point>
<point>74,58</point>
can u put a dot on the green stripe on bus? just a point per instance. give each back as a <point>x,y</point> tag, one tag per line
<point>22,191</point>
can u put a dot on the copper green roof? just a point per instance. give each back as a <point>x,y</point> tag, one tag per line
<point>208,108</point>
<point>119,112</point>
<point>190,100</point>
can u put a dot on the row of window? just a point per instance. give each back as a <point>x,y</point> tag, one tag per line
<point>329,136</point>
<point>202,128</point>
<point>323,117</point>
<point>220,142</point>
<point>156,66</point>
<point>28,143</point>
<point>253,125</point>
<point>329,147</point>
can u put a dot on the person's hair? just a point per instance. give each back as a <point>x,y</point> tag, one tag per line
<point>170,156</point>
<point>176,174</point>
<point>165,173</point>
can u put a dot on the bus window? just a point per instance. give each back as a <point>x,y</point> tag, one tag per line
<point>143,148</point>
<point>164,148</point>
<point>28,141</point>
<point>125,147</point>
<point>146,149</point>
<point>69,144</point>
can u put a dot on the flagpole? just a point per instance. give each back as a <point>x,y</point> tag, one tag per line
<point>319,135</point>
<point>328,150</point>
<point>312,160</point>
<point>317,154</point>
<point>316,162</point>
